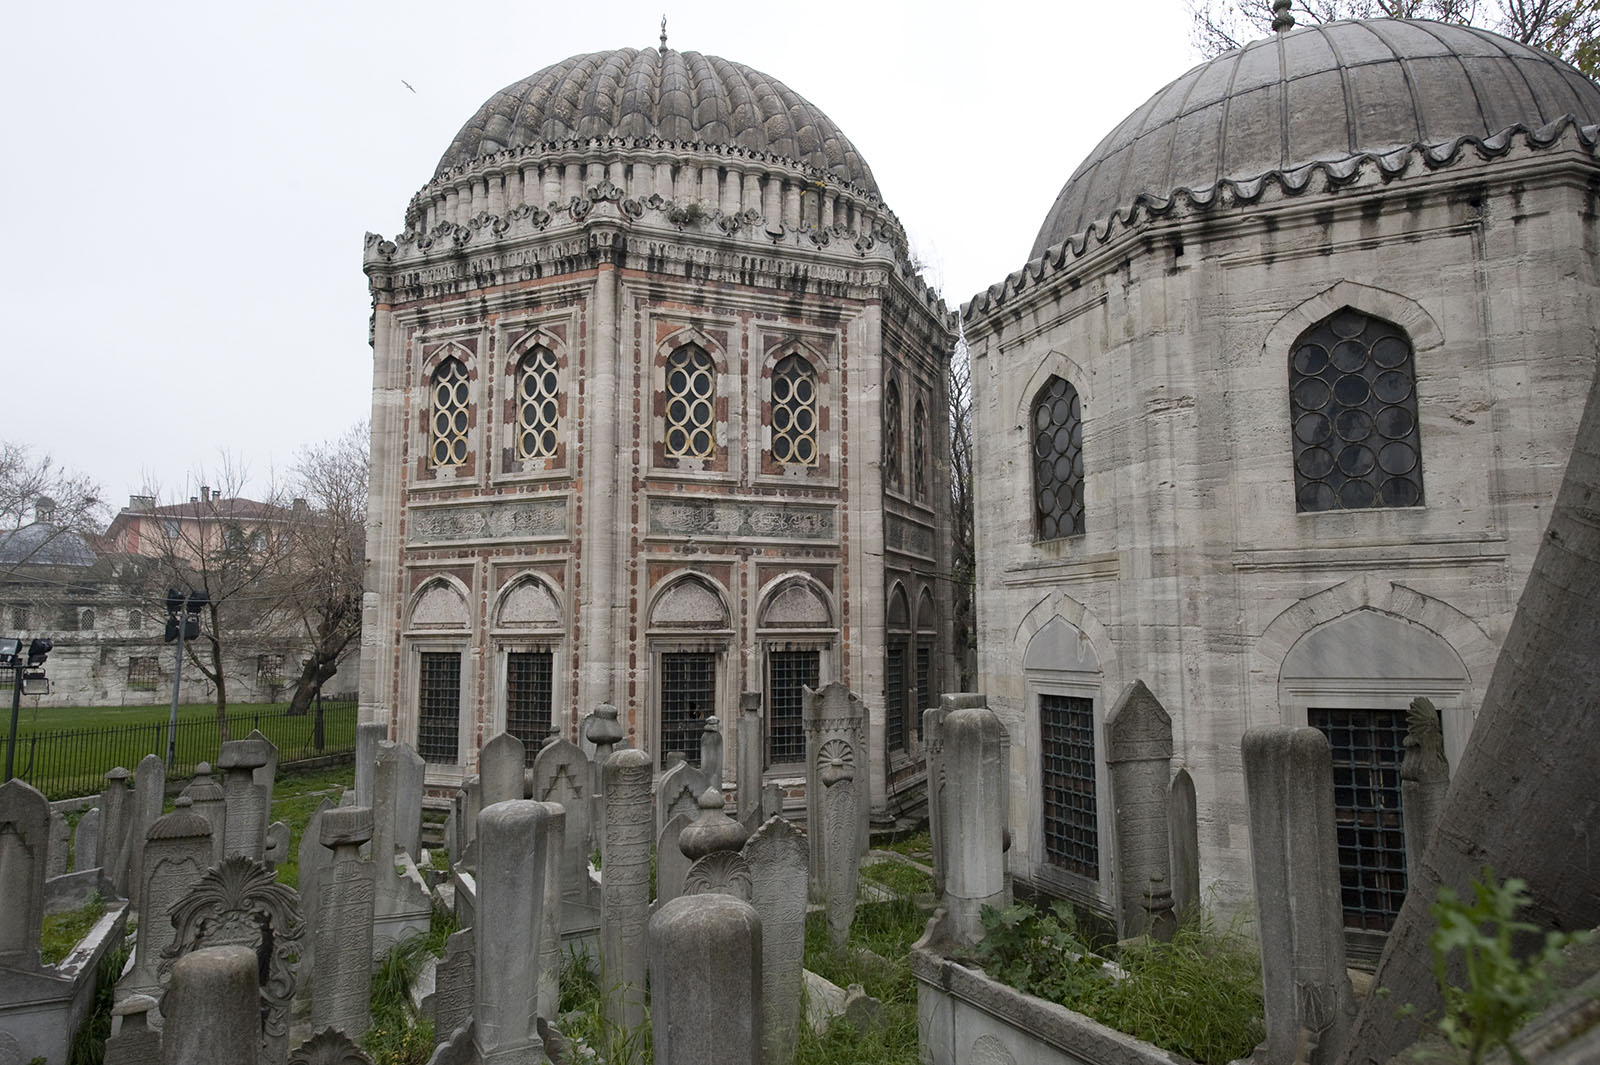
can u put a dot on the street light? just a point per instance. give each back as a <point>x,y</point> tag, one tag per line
<point>185,628</point>
<point>12,658</point>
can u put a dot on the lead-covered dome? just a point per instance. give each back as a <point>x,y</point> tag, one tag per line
<point>654,94</point>
<point>1323,92</point>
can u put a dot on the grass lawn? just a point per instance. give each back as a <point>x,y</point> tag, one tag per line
<point>295,797</point>
<point>48,718</point>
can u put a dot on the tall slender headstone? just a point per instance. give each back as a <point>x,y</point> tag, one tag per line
<point>403,770</point>
<point>86,840</point>
<point>549,1003</point>
<point>603,732</point>
<point>60,845</point>
<point>1183,846</point>
<point>1139,760</point>
<point>513,840</point>
<point>454,981</point>
<point>246,831</point>
<point>625,886</point>
<point>403,905</point>
<point>672,866</point>
<point>938,778</point>
<point>266,775</point>
<point>978,796</point>
<point>314,861</point>
<point>1424,779</point>
<point>777,857</point>
<point>711,750</point>
<point>369,735</point>
<point>213,999</point>
<point>750,756</point>
<point>705,981</point>
<point>835,723</point>
<point>116,801</point>
<point>500,766</point>
<point>678,792</point>
<point>210,803</point>
<point>149,795</point>
<point>1294,852</point>
<point>177,851</point>
<point>343,949</point>
<point>562,775</point>
<point>24,842</point>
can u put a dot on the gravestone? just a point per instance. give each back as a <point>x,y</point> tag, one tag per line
<point>750,756</point>
<point>343,950</point>
<point>245,832</point>
<point>266,774</point>
<point>562,775</point>
<point>938,799</point>
<point>1139,760</point>
<point>149,795</point>
<point>705,981</point>
<point>723,872</point>
<point>210,804</point>
<point>369,736</point>
<point>212,1001</point>
<point>117,801</point>
<point>472,804</point>
<point>549,1003</point>
<point>397,796</point>
<point>453,983</point>
<point>402,905</point>
<point>513,858</point>
<point>977,797</point>
<point>329,1047</point>
<point>602,732</point>
<point>1288,780</point>
<point>777,857</point>
<point>314,862</point>
<point>672,867</point>
<point>86,841</point>
<point>135,1043</point>
<point>678,792</point>
<point>835,724</point>
<point>60,845</point>
<point>500,766</point>
<point>177,852</point>
<point>1183,846</point>
<point>625,886</point>
<point>24,846</point>
<point>1424,779</point>
<point>240,903</point>
<point>276,849</point>
<point>711,750</point>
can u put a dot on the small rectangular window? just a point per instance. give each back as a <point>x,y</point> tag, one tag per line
<point>529,699</point>
<point>439,707</point>
<point>269,668</point>
<point>1071,825</point>
<point>144,673</point>
<point>787,673</point>
<point>688,694</point>
<point>894,696</point>
<point>1367,751</point>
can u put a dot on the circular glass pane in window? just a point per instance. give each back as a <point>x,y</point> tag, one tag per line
<point>441,452</point>
<point>1353,495</point>
<point>1063,467</point>
<point>1313,428</point>
<point>702,442</point>
<point>1315,462</point>
<point>805,419</point>
<point>701,382</point>
<point>700,413</point>
<point>677,410</point>
<point>1392,386</point>
<point>1042,444</point>
<point>461,393</point>
<point>1311,359</point>
<point>780,419</point>
<point>1063,439</point>
<point>677,382</point>
<point>1391,352</point>
<point>460,421</point>
<point>1077,464</point>
<point>1351,390</point>
<point>458,451</point>
<point>1395,423</point>
<point>677,440</point>
<point>548,412</point>
<point>441,394</point>
<point>804,390</point>
<point>549,439</point>
<point>1400,492</point>
<point>1348,322</point>
<point>804,450</point>
<point>781,449</point>
<point>1349,356</point>
<point>548,383</point>
<point>1311,394</point>
<point>1356,460</point>
<point>1397,457</point>
<point>441,423</point>
<point>1353,424</point>
<point>1041,416</point>
<point>1316,495</point>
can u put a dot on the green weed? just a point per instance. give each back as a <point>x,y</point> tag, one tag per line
<point>89,1041</point>
<point>62,931</point>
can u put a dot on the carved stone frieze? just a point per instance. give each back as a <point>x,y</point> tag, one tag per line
<point>473,522</point>
<point>732,520</point>
<point>901,534</point>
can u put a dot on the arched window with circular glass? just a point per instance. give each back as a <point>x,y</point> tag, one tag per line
<point>691,404</point>
<point>892,439</point>
<point>1057,461</point>
<point>1353,402</point>
<point>919,449</point>
<point>794,412</point>
<point>538,405</point>
<point>451,391</point>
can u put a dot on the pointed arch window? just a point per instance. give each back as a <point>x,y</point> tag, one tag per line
<point>691,404</point>
<point>1353,410</point>
<point>452,391</point>
<point>919,449</point>
<point>893,443</point>
<point>794,412</point>
<point>1057,461</point>
<point>538,404</point>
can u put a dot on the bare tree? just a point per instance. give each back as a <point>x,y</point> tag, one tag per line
<point>963,563</point>
<point>322,582</point>
<point>1567,28</point>
<point>71,502</point>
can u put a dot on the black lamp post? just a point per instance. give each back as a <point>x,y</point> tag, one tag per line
<point>186,627</point>
<point>12,658</point>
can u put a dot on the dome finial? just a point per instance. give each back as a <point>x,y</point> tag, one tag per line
<point>1282,18</point>
<point>663,34</point>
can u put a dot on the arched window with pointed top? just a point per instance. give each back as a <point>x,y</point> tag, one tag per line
<point>1057,461</point>
<point>1353,414</point>
<point>691,404</point>
<point>919,450</point>
<point>538,404</point>
<point>794,412</point>
<point>893,438</point>
<point>451,394</point>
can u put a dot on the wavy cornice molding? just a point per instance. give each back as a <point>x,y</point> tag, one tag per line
<point>1358,171</point>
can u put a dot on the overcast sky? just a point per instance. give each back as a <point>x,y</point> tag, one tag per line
<point>188,184</point>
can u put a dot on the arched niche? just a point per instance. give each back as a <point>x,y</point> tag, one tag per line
<point>796,602</point>
<point>690,602</point>
<point>898,614</point>
<point>1060,647</point>
<point>528,604</point>
<point>440,605</point>
<point>927,617</point>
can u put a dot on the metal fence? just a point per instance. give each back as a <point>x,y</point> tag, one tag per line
<point>64,763</point>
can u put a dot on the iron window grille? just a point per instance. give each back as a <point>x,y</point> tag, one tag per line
<point>269,668</point>
<point>691,404</point>
<point>144,672</point>
<point>530,698</point>
<point>451,393</point>
<point>688,694</point>
<point>1353,406</point>
<point>924,684</point>
<point>894,696</point>
<point>538,404</point>
<point>439,706</point>
<point>787,673</point>
<point>1367,751</point>
<point>1071,815</point>
<point>893,443</point>
<point>794,412</point>
<point>1058,461</point>
<point>919,453</point>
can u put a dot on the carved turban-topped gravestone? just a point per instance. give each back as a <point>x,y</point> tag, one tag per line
<point>343,953</point>
<point>240,903</point>
<point>210,803</point>
<point>678,792</point>
<point>625,886</point>
<point>776,858</point>
<point>1139,759</point>
<point>329,1047</point>
<point>712,845</point>
<point>177,852</point>
<point>835,724</point>
<point>500,766</point>
<point>603,732</point>
<point>24,840</point>
<point>246,832</point>
<point>711,750</point>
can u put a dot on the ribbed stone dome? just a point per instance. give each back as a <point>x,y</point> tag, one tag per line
<point>683,97</point>
<point>1318,93</point>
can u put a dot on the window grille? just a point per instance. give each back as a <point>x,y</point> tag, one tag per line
<point>787,673</point>
<point>538,404</point>
<point>1353,404</point>
<point>893,444</point>
<point>794,412</point>
<point>691,404</point>
<point>688,694</point>
<point>135,619</point>
<point>529,700</point>
<point>451,391</point>
<point>925,697</point>
<point>1058,461</point>
<point>1367,751</point>
<point>269,668</point>
<point>86,619</point>
<point>439,706</point>
<point>144,673</point>
<point>1071,821</point>
<point>894,696</point>
<point>919,450</point>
